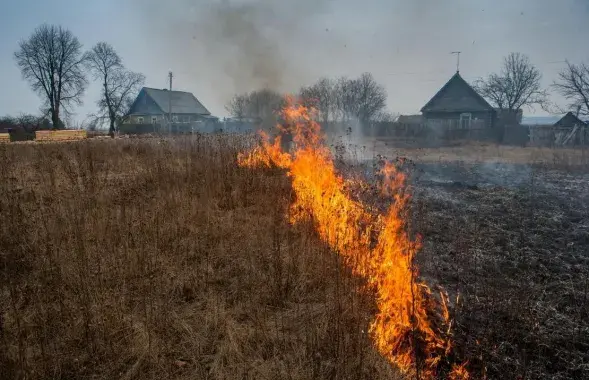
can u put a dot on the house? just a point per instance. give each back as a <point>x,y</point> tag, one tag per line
<point>559,130</point>
<point>410,119</point>
<point>458,105</point>
<point>152,107</point>
<point>570,121</point>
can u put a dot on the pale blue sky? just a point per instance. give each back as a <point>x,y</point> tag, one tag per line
<point>217,48</point>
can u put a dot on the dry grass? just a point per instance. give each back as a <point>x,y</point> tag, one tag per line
<point>472,152</point>
<point>156,259</point>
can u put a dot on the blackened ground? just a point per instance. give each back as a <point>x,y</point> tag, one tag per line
<point>512,241</point>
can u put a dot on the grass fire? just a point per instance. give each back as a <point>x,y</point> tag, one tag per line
<point>240,256</point>
<point>377,247</point>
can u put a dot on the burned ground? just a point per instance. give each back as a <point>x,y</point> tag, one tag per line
<point>512,241</point>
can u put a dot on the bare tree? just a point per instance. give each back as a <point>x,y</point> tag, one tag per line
<point>345,99</point>
<point>573,84</point>
<point>119,85</point>
<point>51,61</point>
<point>237,106</point>
<point>516,86</point>
<point>362,98</point>
<point>263,105</point>
<point>322,97</point>
<point>371,97</point>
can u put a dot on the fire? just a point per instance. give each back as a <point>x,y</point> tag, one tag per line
<point>411,327</point>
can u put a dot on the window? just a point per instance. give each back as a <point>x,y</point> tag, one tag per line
<point>154,120</point>
<point>140,120</point>
<point>465,119</point>
<point>174,119</point>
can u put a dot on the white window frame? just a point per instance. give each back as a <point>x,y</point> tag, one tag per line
<point>465,116</point>
<point>174,119</point>
<point>140,119</point>
<point>154,120</point>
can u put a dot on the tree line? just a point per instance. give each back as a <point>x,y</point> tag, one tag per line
<point>344,99</point>
<point>53,62</point>
<point>517,85</point>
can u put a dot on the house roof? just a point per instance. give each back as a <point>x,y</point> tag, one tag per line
<point>457,96</point>
<point>410,119</point>
<point>541,120</point>
<point>569,120</point>
<point>182,102</point>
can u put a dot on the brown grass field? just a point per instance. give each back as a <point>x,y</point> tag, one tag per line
<point>152,259</point>
<point>163,259</point>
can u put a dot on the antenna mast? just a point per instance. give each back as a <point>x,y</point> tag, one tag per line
<point>457,53</point>
<point>170,75</point>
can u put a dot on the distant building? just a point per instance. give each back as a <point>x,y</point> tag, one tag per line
<point>410,119</point>
<point>570,121</point>
<point>458,104</point>
<point>540,120</point>
<point>152,107</point>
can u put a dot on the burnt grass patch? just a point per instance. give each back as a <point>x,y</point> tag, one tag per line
<point>511,247</point>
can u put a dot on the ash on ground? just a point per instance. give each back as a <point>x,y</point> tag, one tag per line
<point>511,242</point>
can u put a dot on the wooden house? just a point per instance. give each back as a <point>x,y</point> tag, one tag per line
<point>154,107</point>
<point>458,106</point>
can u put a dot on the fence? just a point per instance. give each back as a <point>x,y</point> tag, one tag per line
<point>4,137</point>
<point>61,135</point>
<point>549,135</point>
<point>434,132</point>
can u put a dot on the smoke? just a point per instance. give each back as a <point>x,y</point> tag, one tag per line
<point>235,46</point>
<point>250,40</point>
<point>219,48</point>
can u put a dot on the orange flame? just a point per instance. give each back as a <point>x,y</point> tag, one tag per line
<point>408,328</point>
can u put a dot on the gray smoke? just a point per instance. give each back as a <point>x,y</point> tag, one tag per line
<point>219,48</point>
<point>243,45</point>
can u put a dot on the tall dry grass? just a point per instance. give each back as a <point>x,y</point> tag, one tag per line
<point>159,259</point>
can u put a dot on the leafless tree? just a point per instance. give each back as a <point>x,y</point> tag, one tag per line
<point>573,84</point>
<point>322,96</point>
<point>263,105</point>
<point>51,61</point>
<point>361,98</point>
<point>345,98</point>
<point>237,106</point>
<point>516,86</point>
<point>119,85</point>
<point>371,97</point>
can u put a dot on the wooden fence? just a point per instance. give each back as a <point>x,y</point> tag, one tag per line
<point>4,137</point>
<point>61,135</point>
<point>439,130</point>
<point>549,135</point>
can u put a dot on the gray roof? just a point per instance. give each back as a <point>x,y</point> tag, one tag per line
<point>410,119</point>
<point>541,120</point>
<point>569,120</point>
<point>182,102</point>
<point>457,96</point>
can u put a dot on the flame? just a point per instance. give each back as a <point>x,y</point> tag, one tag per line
<point>408,328</point>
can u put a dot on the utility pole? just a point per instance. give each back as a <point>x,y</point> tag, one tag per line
<point>170,76</point>
<point>457,53</point>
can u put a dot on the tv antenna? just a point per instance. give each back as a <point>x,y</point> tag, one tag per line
<point>457,53</point>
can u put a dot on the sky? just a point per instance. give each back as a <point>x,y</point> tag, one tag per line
<point>217,48</point>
